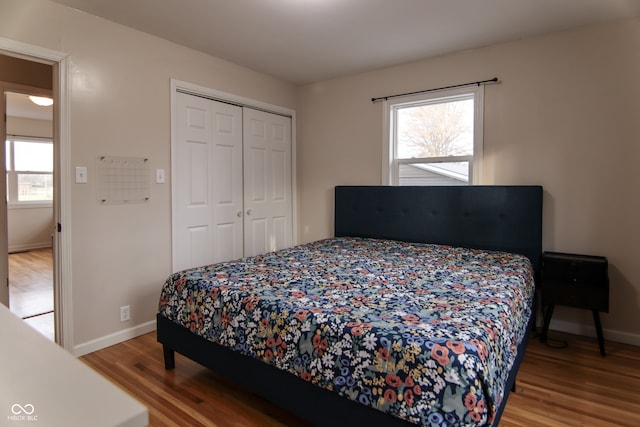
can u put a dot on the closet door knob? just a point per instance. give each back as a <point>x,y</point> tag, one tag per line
<point>249,212</point>
<point>239,214</point>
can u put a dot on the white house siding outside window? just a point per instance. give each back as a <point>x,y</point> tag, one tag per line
<point>434,138</point>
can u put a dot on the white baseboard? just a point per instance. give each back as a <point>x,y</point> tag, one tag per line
<point>590,331</point>
<point>115,338</point>
<point>29,247</point>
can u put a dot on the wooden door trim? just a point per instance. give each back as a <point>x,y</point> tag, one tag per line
<point>63,303</point>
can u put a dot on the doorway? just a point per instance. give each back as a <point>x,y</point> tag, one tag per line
<point>59,63</point>
<point>30,191</point>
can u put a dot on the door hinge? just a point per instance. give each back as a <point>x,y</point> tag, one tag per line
<point>59,227</point>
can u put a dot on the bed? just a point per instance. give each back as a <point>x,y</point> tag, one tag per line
<point>355,330</point>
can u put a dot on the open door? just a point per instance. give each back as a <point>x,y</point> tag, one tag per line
<point>4,239</point>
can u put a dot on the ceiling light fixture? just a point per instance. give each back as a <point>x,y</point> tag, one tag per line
<point>41,101</point>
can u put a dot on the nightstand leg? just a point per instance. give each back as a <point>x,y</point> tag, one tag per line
<point>547,320</point>
<point>596,319</point>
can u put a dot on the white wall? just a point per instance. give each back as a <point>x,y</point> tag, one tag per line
<point>120,106</point>
<point>565,115</point>
<point>29,227</point>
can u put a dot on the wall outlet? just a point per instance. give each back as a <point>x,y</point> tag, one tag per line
<point>125,313</point>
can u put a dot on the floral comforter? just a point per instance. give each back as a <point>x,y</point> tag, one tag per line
<point>427,333</point>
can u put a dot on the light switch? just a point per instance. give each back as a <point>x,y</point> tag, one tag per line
<point>81,174</point>
<point>159,176</point>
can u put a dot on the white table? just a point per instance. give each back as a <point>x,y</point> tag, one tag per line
<point>43,385</point>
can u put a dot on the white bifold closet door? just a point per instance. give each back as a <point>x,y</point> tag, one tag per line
<point>267,182</point>
<point>231,182</point>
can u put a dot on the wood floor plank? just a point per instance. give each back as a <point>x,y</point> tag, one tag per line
<point>31,282</point>
<point>31,288</point>
<point>572,386</point>
<point>189,395</point>
<point>575,386</point>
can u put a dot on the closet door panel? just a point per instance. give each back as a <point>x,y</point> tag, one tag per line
<point>255,175</point>
<point>197,167</point>
<point>198,245</point>
<point>259,241</point>
<point>227,182</point>
<point>207,182</point>
<point>280,231</point>
<point>267,147</point>
<point>226,233</point>
<point>256,183</point>
<point>191,228</point>
<point>280,196</point>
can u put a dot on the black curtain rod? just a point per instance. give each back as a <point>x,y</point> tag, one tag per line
<point>493,80</point>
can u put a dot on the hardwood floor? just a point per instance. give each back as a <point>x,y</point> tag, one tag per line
<point>189,395</point>
<point>31,288</point>
<point>573,386</point>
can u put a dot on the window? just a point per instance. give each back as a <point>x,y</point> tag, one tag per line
<point>29,171</point>
<point>434,138</point>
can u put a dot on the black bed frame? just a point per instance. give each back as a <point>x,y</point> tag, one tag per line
<point>507,218</point>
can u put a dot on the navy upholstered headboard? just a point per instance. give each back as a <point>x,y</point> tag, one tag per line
<point>506,218</point>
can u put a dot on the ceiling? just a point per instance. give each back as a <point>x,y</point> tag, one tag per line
<point>19,105</point>
<point>302,41</point>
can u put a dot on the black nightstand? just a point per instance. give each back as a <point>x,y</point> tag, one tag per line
<point>577,281</point>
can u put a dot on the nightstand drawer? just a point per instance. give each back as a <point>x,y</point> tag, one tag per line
<point>581,270</point>
<point>576,295</point>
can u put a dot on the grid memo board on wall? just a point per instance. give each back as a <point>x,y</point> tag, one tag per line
<point>123,180</point>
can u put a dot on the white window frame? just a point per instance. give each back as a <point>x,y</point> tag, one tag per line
<point>12,175</point>
<point>390,165</point>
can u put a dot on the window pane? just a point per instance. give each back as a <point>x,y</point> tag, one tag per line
<point>8,154</point>
<point>435,130</point>
<point>448,173</point>
<point>35,187</point>
<point>33,156</point>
